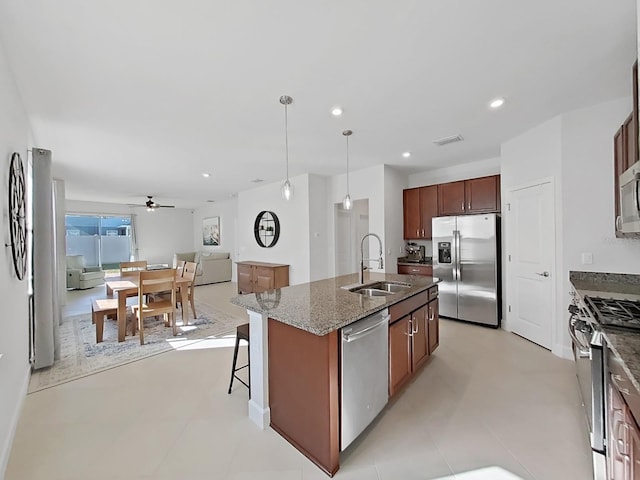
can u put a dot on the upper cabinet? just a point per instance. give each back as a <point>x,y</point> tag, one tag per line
<point>421,204</point>
<point>477,195</point>
<point>625,150</point>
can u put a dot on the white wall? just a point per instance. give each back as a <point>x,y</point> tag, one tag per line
<point>293,245</point>
<point>535,155</point>
<point>480,168</point>
<point>576,150</point>
<point>228,213</point>
<point>363,184</point>
<point>14,340</point>
<point>394,183</point>
<point>588,197</point>
<point>160,233</point>
<point>319,208</point>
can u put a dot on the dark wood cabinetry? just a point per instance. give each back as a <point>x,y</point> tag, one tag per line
<point>623,433</point>
<point>477,195</point>
<point>426,270</point>
<point>410,345</point>
<point>255,277</point>
<point>625,150</point>
<point>420,206</point>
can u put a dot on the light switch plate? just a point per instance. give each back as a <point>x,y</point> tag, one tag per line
<point>587,258</point>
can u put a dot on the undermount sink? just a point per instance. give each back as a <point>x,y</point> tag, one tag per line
<point>371,292</point>
<point>391,287</point>
<point>379,289</point>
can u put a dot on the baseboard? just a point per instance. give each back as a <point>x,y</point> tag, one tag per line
<point>8,440</point>
<point>562,351</point>
<point>258,415</point>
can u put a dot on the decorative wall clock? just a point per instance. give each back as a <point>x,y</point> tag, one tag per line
<point>17,222</point>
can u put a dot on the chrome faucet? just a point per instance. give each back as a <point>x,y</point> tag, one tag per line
<point>362,259</point>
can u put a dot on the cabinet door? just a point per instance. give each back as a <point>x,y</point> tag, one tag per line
<point>419,338</point>
<point>245,279</point>
<point>399,354</point>
<point>630,142</point>
<point>451,198</point>
<point>263,279</point>
<point>411,204</point>
<point>433,320</point>
<point>428,208</point>
<point>618,455</point>
<point>634,437</point>
<point>481,194</point>
<point>619,162</point>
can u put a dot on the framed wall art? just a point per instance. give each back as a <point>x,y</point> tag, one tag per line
<point>211,231</point>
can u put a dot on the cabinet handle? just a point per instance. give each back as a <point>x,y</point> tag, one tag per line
<point>411,327</point>
<point>413,332</point>
<point>418,233</point>
<point>621,443</point>
<point>432,314</point>
<point>618,223</point>
<point>423,232</point>
<point>463,206</point>
<point>469,205</point>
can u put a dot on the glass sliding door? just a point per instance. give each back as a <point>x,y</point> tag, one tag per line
<point>104,240</point>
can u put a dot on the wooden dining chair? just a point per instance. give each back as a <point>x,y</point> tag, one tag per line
<point>189,272</point>
<point>180,268</point>
<point>132,268</point>
<point>151,282</point>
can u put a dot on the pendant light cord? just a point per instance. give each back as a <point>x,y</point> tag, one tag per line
<point>286,138</point>
<point>347,165</point>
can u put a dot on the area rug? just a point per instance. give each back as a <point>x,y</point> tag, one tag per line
<point>80,355</point>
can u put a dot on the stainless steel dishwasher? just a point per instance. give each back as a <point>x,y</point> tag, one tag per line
<point>364,374</point>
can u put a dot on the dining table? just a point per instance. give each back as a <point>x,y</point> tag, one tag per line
<point>127,286</point>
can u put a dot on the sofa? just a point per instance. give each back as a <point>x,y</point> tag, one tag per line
<point>79,276</point>
<point>213,267</point>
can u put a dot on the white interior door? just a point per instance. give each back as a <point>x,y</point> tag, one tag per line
<point>530,262</point>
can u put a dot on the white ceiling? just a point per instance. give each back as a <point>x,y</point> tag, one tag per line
<point>139,97</point>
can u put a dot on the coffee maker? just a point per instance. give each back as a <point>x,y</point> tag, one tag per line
<point>415,252</point>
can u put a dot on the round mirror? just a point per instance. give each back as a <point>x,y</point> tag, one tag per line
<point>266,229</point>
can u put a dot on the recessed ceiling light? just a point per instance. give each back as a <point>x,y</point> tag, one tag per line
<point>497,103</point>
<point>406,154</point>
<point>336,111</point>
<point>206,175</point>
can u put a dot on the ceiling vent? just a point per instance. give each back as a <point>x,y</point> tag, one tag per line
<point>257,180</point>
<point>446,140</point>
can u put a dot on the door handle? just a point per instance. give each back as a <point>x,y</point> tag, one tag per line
<point>543,274</point>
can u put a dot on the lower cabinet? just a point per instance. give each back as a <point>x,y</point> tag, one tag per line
<point>413,324</point>
<point>623,433</point>
<point>255,277</point>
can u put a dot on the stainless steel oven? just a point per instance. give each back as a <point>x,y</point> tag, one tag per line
<point>587,342</point>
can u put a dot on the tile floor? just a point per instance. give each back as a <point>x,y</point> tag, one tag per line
<point>489,405</point>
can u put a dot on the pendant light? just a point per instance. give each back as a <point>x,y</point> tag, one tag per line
<point>347,203</point>
<point>287,187</point>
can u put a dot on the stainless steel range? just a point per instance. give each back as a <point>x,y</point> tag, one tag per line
<point>585,327</point>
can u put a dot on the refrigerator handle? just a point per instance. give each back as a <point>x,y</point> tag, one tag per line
<point>454,255</point>
<point>457,246</point>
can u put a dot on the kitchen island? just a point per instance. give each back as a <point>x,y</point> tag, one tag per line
<point>295,335</point>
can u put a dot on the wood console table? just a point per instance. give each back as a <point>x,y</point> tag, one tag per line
<point>255,277</point>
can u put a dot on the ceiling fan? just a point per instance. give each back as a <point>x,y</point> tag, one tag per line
<point>151,205</point>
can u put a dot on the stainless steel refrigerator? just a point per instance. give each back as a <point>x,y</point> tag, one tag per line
<point>466,257</point>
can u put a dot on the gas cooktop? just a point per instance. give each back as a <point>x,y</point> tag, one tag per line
<point>615,313</point>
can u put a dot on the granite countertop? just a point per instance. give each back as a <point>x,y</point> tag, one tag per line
<point>324,306</point>
<point>624,344</point>
<point>403,261</point>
